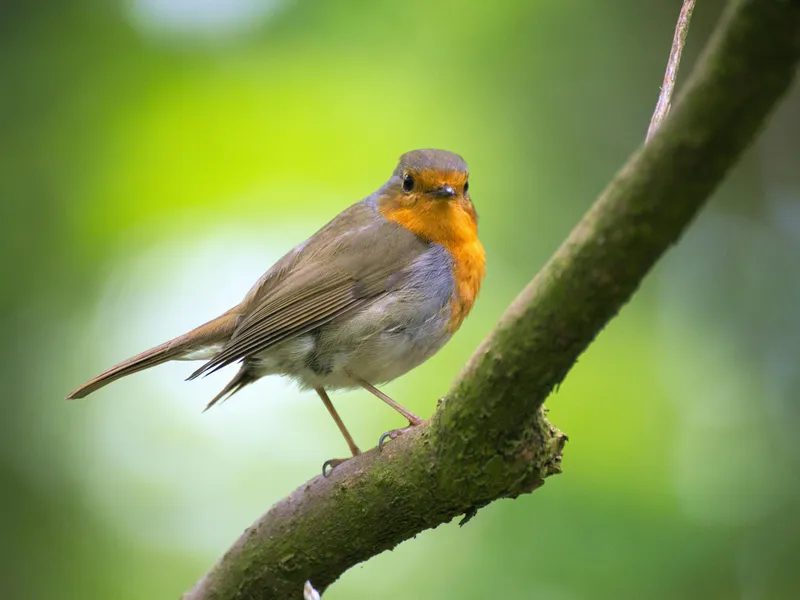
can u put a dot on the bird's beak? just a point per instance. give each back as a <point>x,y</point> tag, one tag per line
<point>444,191</point>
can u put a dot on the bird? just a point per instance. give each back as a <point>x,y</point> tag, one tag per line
<point>373,294</point>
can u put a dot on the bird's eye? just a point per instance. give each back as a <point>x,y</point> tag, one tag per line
<point>466,187</point>
<point>408,183</point>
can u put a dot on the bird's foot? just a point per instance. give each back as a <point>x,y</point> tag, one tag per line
<point>329,465</point>
<point>394,433</point>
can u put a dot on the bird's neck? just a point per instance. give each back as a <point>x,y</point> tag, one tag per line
<point>454,226</point>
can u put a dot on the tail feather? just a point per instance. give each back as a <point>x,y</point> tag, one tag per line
<point>215,331</point>
<point>242,378</point>
<point>145,360</point>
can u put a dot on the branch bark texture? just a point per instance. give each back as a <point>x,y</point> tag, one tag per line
<point>489,439</point>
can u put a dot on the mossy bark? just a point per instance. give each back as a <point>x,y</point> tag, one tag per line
<point>489,438</point>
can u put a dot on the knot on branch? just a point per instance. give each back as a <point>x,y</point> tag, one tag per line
<point>537,455</point>
<point>500,465</point>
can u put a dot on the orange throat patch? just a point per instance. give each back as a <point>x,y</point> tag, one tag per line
<point>452,225</point>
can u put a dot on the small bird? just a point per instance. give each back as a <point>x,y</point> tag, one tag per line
<point>371,295</point>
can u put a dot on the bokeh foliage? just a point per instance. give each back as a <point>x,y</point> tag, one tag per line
<point>158,155</point>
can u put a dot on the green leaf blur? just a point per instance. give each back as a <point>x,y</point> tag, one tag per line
<point>158,155</point>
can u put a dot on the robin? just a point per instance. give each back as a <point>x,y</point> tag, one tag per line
<point>373,294</point>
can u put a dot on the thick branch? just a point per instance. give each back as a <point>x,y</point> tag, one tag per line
<point>488,439</point>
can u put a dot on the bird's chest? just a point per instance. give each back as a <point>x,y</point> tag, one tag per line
<point>453,229</point>
<point>398,330</point>
<point>469,262</point>
<point>408,337</point>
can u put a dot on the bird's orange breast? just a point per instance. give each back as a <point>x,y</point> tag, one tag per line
<point>454,226</point>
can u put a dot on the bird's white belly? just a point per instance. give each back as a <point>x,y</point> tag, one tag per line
<point>366,345</point>
<point>377,360</point>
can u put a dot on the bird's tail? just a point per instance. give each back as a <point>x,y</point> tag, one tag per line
<point>215,332</point>
<point>241,379</point>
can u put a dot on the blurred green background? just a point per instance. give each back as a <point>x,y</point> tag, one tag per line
<point>159,155</point>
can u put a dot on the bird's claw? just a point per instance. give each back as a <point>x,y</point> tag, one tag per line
<point>386,436</point>
<point>329,465</point>
<point>390,435</point>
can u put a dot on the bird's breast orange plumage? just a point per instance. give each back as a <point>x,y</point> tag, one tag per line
<point>453,225</point>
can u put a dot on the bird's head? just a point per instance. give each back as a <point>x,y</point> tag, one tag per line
<point>429,191</point>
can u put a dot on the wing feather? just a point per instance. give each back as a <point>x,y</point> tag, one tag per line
<point>315,293</point>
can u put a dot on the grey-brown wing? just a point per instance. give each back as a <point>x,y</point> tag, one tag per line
<point>357,267</point>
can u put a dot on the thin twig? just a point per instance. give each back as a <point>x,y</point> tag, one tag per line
<point>678,41</point>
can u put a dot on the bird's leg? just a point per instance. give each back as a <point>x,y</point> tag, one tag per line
<point>339,423</point>
<point>413,420</point>
<point>334,462</point>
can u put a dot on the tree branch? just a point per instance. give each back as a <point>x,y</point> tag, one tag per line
<point>489,438</point>
<point>673,62</point>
